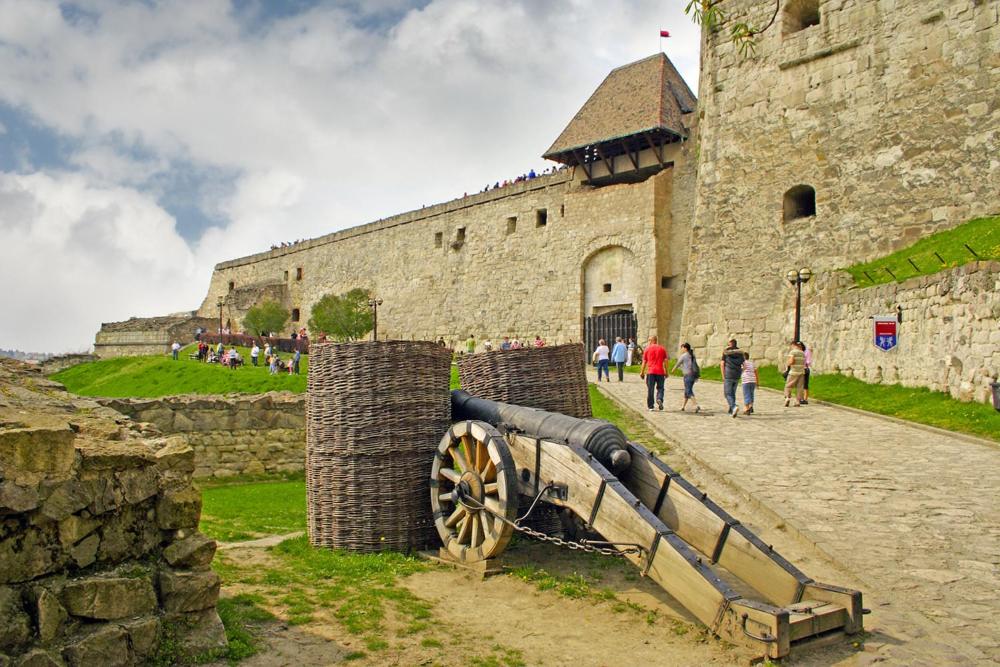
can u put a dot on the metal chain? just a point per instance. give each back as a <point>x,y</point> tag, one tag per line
<point>582,545</point>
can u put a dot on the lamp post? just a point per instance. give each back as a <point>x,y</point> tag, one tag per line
<point>797,278</point>
<point>374,303</point>
<point>220,302</point>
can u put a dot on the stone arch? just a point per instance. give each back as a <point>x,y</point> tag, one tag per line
<point>799,202</point>
<point>610,279</point>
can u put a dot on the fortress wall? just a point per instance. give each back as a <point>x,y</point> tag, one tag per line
<point>888,109</point>
<point>949,339</point>
<point>495,283</point>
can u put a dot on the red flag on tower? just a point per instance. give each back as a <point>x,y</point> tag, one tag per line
<point>664,33</point>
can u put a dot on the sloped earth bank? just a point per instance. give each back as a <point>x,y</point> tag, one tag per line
<point>553,607</point>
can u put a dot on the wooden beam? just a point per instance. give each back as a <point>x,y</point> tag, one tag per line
<point>609,165</point>
<point>583,163</point>
<point>633,160</point>
<point>652,146</point>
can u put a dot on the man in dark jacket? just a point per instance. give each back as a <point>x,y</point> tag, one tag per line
<point>732,368</point>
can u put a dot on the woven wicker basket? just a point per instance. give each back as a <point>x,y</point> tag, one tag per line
<point>375,412</point>
<point>549,378</point>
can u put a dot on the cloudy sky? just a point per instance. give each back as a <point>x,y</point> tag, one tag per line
<point>142,142</point>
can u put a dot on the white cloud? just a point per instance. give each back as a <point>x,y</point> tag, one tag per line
<point>326,124</point>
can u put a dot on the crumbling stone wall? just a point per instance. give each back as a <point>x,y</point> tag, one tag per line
<point>148,335</point>
<point>949,339</point>
<point>230,435</point>
<point>100,556</point>
<point>63,361</point>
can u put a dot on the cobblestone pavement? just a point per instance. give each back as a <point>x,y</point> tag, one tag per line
<point>914,515</point>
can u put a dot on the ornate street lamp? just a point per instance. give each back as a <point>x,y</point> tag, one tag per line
<point>374,303</point>
<point>797,278</point>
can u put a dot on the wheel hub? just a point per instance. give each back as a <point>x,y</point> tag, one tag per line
<point>470,487</point>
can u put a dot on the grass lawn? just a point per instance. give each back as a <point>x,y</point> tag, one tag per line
<point>933,253</point>
<point>151,376</point>
<point>245,511</point>
<point>922,406</point>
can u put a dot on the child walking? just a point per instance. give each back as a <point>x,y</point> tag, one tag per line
<point>750,381</point>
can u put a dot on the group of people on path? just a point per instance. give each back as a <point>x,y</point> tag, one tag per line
<point>736,367</point>
<point>507,343</point>
<point>232,359</point>
<point>273,360</point>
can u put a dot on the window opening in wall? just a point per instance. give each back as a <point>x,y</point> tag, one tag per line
<point>460,235</point>
<point>667,282</point>
<point>298,273</point>
<point>511,224</point>
<point>438,239</point>
<point>799,202</point>
<point>607,287</point>
<point>286,276</point>
<point>800,14</point>
<point>232,285</point>
<point>562,210</point>
<point>295,314</point>
<point>541,217</point>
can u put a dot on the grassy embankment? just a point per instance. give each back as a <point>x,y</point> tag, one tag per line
<point>160,375</point>
<point>933,253</point>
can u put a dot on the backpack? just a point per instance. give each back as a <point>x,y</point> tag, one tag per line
<point>695,368</point>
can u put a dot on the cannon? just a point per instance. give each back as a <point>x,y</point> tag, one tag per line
<point>719,570</point>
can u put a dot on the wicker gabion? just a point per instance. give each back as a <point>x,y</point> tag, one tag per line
<point>549,378</point>
<point>375,412</point>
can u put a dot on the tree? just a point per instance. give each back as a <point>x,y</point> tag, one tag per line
<point>265,318</point>
<point>709,13</point>
<point>342,317</point>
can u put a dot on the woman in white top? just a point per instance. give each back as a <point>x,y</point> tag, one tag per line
<point>601,357</point>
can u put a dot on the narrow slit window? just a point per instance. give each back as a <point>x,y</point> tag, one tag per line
<point>541,217</point>
<point>460,235</point>
<point>295,314</point>
<point>232,285</point>
<point>286,276</point>
<point>438,239</point>
<point>562,210</point>
<point>511,224</point>
<point>298,273</point>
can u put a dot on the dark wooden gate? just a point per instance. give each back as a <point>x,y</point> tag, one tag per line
<point>608,326</point>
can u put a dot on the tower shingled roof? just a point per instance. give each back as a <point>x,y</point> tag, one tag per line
<point>646,95</point>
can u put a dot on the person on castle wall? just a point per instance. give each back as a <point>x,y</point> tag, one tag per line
<point>619,353</point>
<point>175,350</point>
<point>538,341</point>
<point>732,370</point>
<point>631,351</point>
<point>750,379</point>
<point>795,364</point>
<point>690,371</point>
<point>254,353</point>
<point>600,357</point>
<point>470,344</point>
<point>807,362</point>
<point>505,343</point>
<point>654,371</point>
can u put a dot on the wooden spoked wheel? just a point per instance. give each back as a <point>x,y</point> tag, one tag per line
<point>473,469</point>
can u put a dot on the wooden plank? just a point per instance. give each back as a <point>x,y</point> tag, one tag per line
<point>849,599</point>
<point>821,617</point>
<point>760,621</point>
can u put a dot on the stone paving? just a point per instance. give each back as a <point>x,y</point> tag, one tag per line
<point>913,514</point>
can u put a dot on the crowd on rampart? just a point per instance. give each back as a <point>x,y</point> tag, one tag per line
<point>530,175</point>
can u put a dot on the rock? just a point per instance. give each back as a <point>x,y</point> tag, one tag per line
<point>85,552</point>
<point>4,661</point>
<point>191,552</point>
<point>137,485</point>
<point>199,632</point>
<point>74,528</point>
<point>39,658</point>
<point>15,498</point>
<point>107,647</point>
<point>50,615</point>
<point>109,598</point>
<point>34,453</point>
<point>176,456</point>
<point>66,499</point>
<point>143,635</point>
<point>179,509</point>
<point>182,591</point>
<point>26,554</point>
<point>15,625</point>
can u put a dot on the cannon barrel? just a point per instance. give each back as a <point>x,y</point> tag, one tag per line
<point>602,439</point>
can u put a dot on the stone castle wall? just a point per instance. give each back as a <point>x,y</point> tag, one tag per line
<point>149,335</point>
<point>230,435</point>
<point>949,339</point>
<point>512,261</point>
<point>100,559</point>
<point>888,109</point>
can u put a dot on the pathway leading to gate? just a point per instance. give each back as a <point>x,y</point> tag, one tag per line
<point>914,514</point>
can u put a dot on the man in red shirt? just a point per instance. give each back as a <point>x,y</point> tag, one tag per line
<point>654,370</point>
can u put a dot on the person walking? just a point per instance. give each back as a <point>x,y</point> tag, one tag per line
<point>600,357</point>
<point>654,371</point>
<point>796,364</point>
<point>175,350</point>
<point>619,353</point>
<point>273,364</point>
<point>219,350</point>
<point>807,355</point>
<point>631,351</point>
<point>254,353</point>
<point>296,358</point>
<point>750,379</point>
<point>470,344</point>
<point>691,372</point>
<point>732,370</point>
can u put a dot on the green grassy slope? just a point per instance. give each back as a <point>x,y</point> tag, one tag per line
<point>151,376</point>
<point>933,253</point>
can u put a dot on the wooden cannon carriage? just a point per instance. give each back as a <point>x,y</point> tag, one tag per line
<point>666,527</point>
